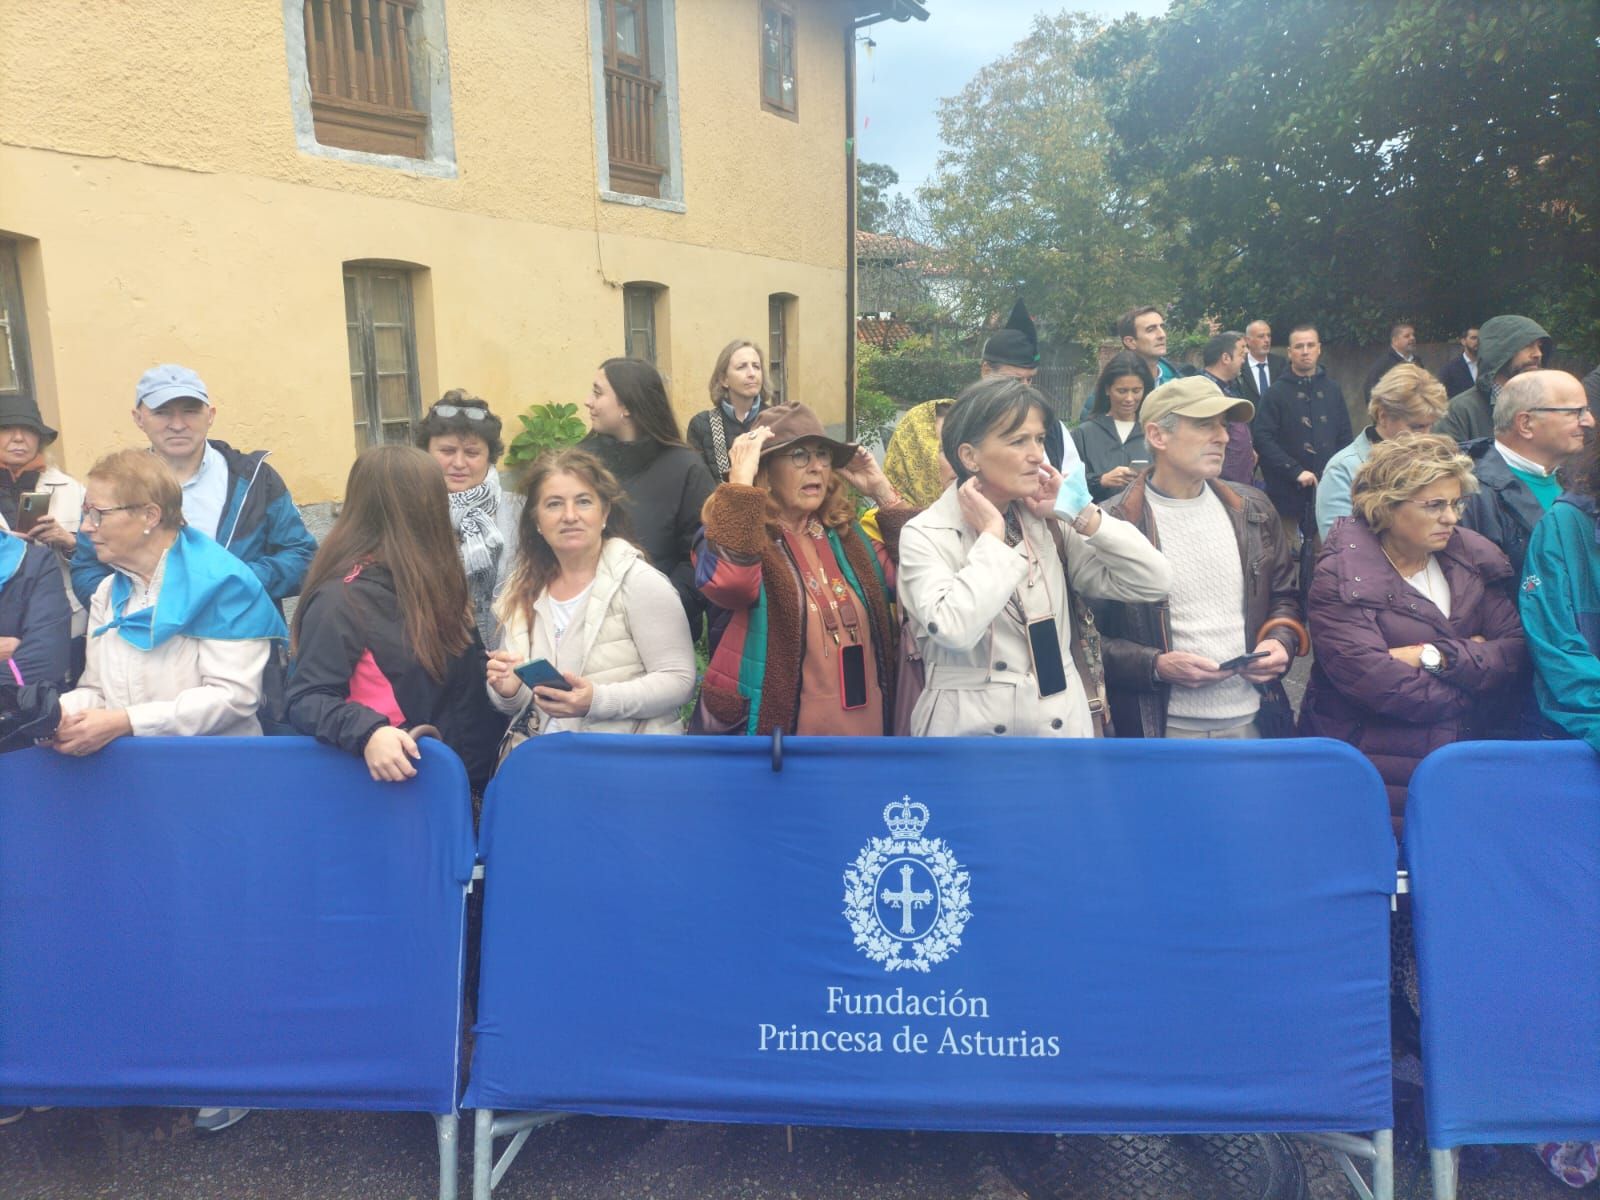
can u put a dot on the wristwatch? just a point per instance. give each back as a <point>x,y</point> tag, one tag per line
<point>1432,660</point>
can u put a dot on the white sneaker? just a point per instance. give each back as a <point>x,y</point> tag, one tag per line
<point>215,1120</point>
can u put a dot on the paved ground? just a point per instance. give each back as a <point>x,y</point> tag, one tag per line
<point>145,1154</point>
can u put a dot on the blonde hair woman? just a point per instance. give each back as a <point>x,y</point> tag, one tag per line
<point>1406,400</point>
<point>739,395</point>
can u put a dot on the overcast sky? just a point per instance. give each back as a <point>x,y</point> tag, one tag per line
<point>916,64</point>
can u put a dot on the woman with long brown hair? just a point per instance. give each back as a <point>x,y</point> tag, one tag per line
<point>384,639</point>
<point>634,434</point>
<point>587,603</point>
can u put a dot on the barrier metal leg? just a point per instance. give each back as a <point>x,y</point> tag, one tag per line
<point>1383,1165</point>
<point>486,1172</point>
<point>447,1126</point>
<point>482,1153</point>
<point>1379,1151</point>
<point>1442,1166</point>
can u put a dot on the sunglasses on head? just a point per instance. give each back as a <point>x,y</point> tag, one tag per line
<point>456,410</point>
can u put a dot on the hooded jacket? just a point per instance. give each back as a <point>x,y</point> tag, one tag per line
<point>260,526</point>
<point>1471,413</point>
<point>1300,424</point>
<point>1360,608</point>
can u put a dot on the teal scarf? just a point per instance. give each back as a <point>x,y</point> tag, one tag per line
<point>205,593</point>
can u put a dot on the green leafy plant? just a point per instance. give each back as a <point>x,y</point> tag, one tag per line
<point>875,416</point>
<point>545,427</point>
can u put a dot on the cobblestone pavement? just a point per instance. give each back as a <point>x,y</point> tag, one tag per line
<point>151,1154</point>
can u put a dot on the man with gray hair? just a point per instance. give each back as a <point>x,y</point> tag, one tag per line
<point>1208,662</point>
<point>1540,419</point>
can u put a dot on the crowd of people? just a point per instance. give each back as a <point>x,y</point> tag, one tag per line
<point>1147,573</point>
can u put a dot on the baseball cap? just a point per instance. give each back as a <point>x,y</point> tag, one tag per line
<point>1193,396</point>
<point>169,382</point>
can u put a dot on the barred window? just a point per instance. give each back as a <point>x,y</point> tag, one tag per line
<point>360,62</point>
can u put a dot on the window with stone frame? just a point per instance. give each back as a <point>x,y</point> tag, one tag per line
<point>362,65</point>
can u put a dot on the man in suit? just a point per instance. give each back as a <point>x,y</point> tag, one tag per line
<point>1461,372</point>
<point>1402,349</point>
<point>1261,368</point>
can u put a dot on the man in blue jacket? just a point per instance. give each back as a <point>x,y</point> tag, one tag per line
<point>232,495</point>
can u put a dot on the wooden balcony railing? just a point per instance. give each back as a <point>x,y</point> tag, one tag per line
<point>631,114</point>
<point>358,57</point>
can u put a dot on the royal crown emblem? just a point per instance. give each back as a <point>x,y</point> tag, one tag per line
<point>905,896</point>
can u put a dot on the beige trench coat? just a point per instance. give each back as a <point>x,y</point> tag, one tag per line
<point>955,586</point>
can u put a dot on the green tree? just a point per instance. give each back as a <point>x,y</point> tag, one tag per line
<point>873,181</point>
<point>1354,163</point>
<point>1023,201</point>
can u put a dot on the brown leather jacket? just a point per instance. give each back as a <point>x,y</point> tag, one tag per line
<point>1134,634</point>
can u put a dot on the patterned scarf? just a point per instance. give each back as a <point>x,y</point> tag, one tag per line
<point>472,513</point>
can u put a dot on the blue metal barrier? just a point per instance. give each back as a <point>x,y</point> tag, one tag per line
<point>1503,845</point>
<point>233,921</point>
<point>974,934</point>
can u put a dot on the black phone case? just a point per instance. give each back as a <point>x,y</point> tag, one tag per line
<point>1045,646</point>
<point>853,676</point>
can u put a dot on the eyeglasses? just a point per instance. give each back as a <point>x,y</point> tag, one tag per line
<point>92,516</point>
<point>802,456</point>
<point>455,410</point>
<point>1436,508</point>
<point>1578,411</point>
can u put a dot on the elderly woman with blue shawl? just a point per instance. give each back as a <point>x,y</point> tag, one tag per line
<point>179,632</point>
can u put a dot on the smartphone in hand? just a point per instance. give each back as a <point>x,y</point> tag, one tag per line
<point>34,505</point>
<point>1233,664</point>
<point>542,673</point>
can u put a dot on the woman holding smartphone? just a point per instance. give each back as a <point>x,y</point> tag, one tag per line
<point>41,501</point>
<point>985,588</point>
<point>1111,440</point>
<point>384,639</point>
<point>595,639</point>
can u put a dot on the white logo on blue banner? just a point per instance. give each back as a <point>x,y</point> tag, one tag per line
<point>905,896</point>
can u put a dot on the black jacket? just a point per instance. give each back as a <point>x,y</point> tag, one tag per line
<point>350,615</point>
<point>667,487</point>
<point>1101,451</point>
<point>1390,360</point>
<point>33,608</point>
<point>1503,509</point>
<point>1300,424</point>
<point>1456,376</point>
<point>1277,368</point>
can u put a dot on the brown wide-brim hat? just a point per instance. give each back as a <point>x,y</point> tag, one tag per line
<point>791,423</point>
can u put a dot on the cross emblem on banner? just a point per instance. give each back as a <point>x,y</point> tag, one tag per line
<point>906,899</point>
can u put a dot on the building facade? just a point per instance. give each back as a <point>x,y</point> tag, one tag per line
<point>334,210</point>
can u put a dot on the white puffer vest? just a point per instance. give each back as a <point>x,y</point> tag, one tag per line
<point>601,648</point>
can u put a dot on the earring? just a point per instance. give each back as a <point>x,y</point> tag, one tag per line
<point>147,532</point>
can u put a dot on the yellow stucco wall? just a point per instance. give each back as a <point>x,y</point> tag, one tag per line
<point>169,216</point>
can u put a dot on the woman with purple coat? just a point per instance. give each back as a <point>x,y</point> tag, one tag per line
<point>1414,620</point>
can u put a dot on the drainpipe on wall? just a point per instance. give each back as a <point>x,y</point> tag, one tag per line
<point>887,10</point>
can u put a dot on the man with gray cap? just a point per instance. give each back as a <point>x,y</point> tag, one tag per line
<point>1207,662</point>
<point>1507,346</point>
<point>229,494</point>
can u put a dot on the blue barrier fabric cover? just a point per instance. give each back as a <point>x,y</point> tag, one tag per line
<point>1503,843</point>
<point>231,921</point>
<point>1152,936</point>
